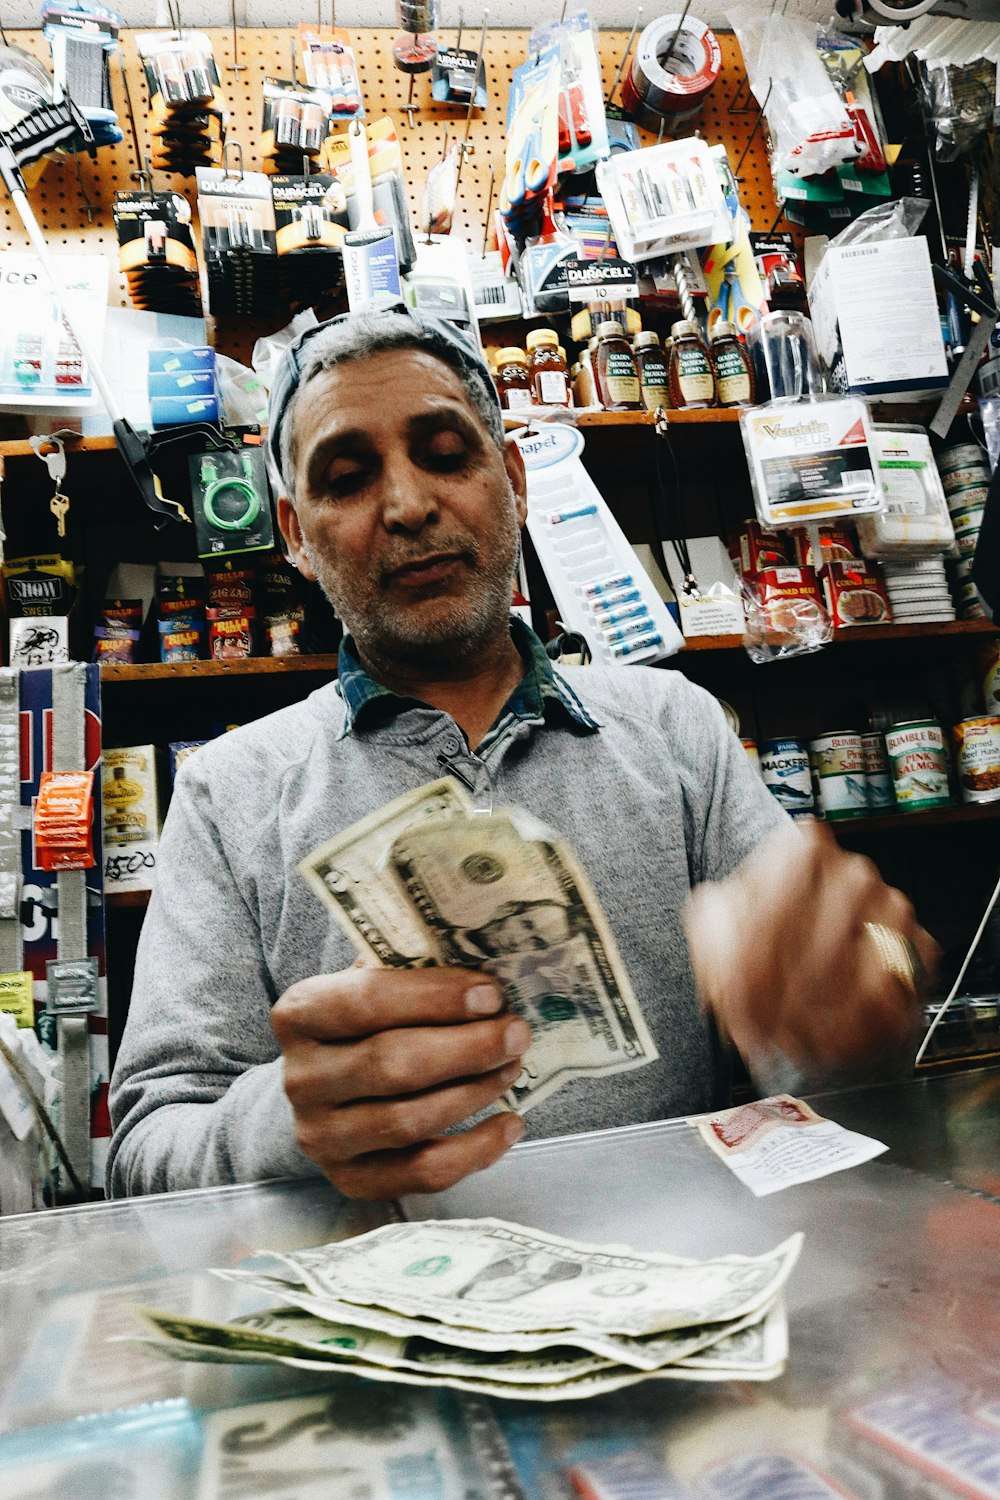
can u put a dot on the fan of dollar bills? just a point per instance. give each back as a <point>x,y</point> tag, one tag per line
<point>428,880</point>
<point>496,1309</point>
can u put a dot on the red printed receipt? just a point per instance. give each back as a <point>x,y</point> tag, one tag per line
<point>775,1143</point>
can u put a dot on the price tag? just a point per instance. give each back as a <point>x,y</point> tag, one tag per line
<point>17,997</point>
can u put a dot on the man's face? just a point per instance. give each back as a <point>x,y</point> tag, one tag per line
<point>538,927</point>
<point>406,512</point>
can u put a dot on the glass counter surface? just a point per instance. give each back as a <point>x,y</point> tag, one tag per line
<point>892,1388</point>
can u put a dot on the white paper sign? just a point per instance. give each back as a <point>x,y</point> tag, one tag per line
<point>775,1143</point>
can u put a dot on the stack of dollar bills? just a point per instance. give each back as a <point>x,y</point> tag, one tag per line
<point>427,880</point>
<point>497,1309</point>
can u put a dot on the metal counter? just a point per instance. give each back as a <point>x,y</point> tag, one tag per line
<point>892,1388</point>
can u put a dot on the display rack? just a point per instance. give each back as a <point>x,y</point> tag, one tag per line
<point>945,859</point>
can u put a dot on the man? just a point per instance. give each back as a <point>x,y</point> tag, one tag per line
<point>255,1047</point>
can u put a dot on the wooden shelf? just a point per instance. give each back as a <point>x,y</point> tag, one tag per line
<point>856,635</point>
<point>934,817</point>
<point>250,666</point>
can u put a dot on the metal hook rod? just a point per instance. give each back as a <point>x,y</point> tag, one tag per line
<point>88,205</point>
<point>235,66</point>
<point>233,145</point>
<point>625,54</point>
<point>142,173</point>
<point>753,134</point>
<point>409,106</point>
<point>489,205</point>
<point>674,39</point>
<point>466,149</point>
<point>458,39</point>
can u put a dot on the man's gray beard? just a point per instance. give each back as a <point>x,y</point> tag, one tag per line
<point>454,639</point>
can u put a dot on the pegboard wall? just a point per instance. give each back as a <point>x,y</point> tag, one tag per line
<point>61,196</point>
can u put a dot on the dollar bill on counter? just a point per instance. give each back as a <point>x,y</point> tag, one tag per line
<point>450,1303</point>
<point>428,881</point>
<point>649,1352</point>
<point>775,1143</point>
<point>507,1278</point>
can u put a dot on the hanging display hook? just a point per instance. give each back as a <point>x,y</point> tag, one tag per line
<point>235,66</point>
<point>143,171</point>
<point>489,205</point>
<point>238,149</point>
<point>467,148</point>
<point>625,54</point>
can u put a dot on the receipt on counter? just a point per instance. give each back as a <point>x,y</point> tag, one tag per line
<point>775,1143</point>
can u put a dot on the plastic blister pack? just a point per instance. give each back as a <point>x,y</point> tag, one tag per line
<point>916,521</point>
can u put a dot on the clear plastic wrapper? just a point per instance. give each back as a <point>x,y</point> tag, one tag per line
<point>809,123</point>
<point>958,104</point>
<point>780,623</point>
<point>990,412</point>
<point>898,220</point>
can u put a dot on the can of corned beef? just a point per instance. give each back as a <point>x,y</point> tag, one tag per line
<point>977,744</point>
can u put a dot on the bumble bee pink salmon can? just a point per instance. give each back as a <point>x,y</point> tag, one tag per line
<point>919,764</point>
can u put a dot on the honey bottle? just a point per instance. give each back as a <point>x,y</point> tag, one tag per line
<point>513,382</point>
<point>734,380</point>
<point>615,373</point>
<point>692,383</point>
<point>652,366</point>
<point>547,368</point>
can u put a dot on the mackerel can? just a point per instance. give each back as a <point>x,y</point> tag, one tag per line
<point>919,765</point>
<point>977,742</point>
<point>878,777</point>
<point>784,766</point>
<point>838,774</point>
<point>750,746</point>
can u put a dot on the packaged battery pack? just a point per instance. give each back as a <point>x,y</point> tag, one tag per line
<point>328,63</point>
<point>186,105</point>
<point>295,123</point>
<point>156,252</point>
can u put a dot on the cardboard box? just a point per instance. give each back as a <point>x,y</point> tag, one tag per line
<point>875,316</point>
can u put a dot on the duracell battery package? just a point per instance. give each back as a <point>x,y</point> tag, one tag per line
<point>238,241</point>
<point>328,63</point>
<point>186,108</point>
<point>156,252</point>
<point>310,215</point>
<point>296,123</point>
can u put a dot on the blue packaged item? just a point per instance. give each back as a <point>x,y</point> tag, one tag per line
<point>173,411</point>
<point>174,361</point>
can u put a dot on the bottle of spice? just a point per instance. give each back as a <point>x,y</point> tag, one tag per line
<point>692,383</point>
<point>547,368</point>
<point>615,373</point>
<point>512,379</point>
<point>652,367</point>
<point>734,380</point>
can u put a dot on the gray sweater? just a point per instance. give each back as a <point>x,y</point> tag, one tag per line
<point>659,798</point>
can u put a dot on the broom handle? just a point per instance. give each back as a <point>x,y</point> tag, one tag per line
<point>41,249</point>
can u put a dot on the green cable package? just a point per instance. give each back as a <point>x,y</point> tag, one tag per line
<point>232,502</point>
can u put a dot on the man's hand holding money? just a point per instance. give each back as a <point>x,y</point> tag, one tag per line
<point>380,1063</point>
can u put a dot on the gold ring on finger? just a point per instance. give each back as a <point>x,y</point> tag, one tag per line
<point>897,954</point>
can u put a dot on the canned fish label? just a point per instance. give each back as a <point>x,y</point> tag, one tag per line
<point>878,777</point>
<point>978,746</point>
<point>784,766</point>
<point>919,765</point>
<point>839,774</point>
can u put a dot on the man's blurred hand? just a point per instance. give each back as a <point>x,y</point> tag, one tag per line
<point>782,958</point>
